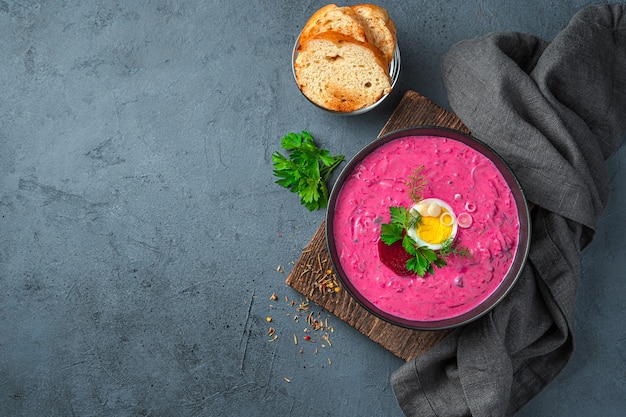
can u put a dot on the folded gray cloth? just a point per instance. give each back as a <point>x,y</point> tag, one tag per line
<point>554,112</point>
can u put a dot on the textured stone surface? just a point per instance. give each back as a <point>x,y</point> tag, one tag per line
<point>142,234</point>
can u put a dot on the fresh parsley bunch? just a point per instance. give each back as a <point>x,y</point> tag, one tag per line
<point>306,169</point>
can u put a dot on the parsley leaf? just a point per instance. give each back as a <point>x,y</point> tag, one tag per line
<point>306,169</point>
<point>401,220</point>
<point>391,233</point>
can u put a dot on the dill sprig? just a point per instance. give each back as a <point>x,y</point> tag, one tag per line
<point>417,184</point>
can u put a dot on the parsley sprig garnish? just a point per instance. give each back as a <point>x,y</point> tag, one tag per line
<point>423,259</point>
<point>401,220</point>
<point>306,169</point>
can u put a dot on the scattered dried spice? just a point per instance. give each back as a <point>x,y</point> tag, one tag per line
<point>317,329</point>
<point>303,306</point>
<point>325,279</point>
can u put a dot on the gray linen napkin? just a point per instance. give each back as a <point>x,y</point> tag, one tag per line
<point>554,112</point>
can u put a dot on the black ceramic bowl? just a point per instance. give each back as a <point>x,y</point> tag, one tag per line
<point>519,257</point>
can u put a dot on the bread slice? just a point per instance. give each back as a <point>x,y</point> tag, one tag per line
<point>336,19</point>
<point>340,73</point>
<point>380,29</point>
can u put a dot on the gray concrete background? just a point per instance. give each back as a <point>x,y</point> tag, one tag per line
<point>142,234</point>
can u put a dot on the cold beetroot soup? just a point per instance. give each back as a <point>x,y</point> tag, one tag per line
<point>471,191</point>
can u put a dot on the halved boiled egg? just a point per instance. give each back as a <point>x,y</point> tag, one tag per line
<point>438,223</point>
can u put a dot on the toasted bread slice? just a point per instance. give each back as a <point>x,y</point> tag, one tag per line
<point>340,73</point>
<point>380,29</point>
<point>336,19</point>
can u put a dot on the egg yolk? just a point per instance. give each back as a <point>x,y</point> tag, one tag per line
<point>435,230</point>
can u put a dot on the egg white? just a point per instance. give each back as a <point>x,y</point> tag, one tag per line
<point>412,232</point>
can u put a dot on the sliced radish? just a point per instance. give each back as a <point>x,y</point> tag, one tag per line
<point>464,220</point>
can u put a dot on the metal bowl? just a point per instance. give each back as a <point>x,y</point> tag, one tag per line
<point>519,257</point>
<point>394,73</point>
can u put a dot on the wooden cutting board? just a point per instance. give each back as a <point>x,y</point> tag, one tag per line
<point>313,277</point>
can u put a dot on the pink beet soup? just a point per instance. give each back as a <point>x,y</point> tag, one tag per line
<point>455,173</point>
